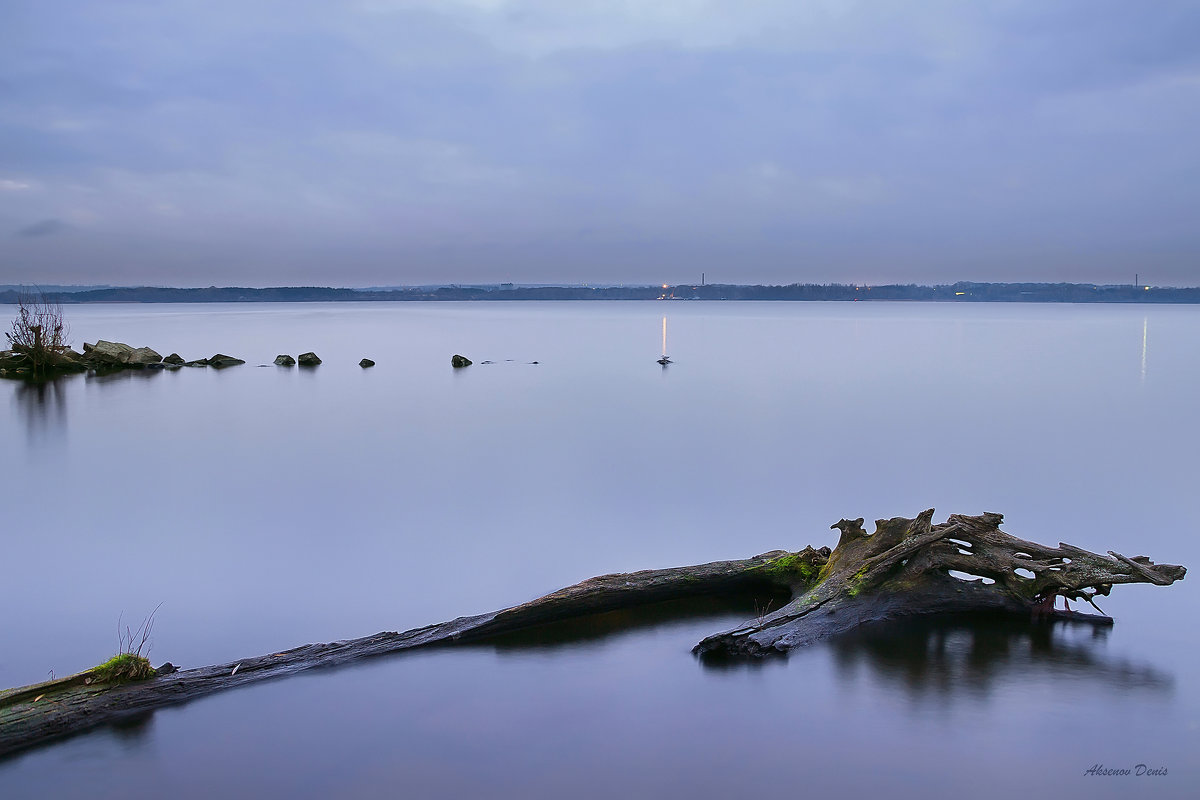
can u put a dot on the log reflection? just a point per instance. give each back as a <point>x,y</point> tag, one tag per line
<point>596,628</point>
<point>973,655</point>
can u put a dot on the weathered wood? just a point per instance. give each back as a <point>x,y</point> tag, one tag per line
<point>902,570</point>
<point>32,715</point>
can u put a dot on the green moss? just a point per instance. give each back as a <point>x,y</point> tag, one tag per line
<point>124,667</point>
<point>793,565</point>
<point>856,583</point>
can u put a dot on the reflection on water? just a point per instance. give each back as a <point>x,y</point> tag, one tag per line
<point>943,658</point>
<point>927,657</point>
<point>1145,333</point>
<point>122,376</point>
<point>596,628</point>
<point>134,731</point>
<point>42,407</point>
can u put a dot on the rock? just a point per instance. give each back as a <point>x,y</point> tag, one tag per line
<point>108,352</point>
<point>175,359</point>
<point>220,361</point>
<point>143,356</point>
<point>11,360</point>
<point>308,359</point>
<point>366,362</point>
<point>458,361</point>
<point>68,360</point>
<point>285,361</point>
<point>199,362</point>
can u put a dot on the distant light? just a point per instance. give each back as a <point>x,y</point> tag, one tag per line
<point>956,294</point>
<point>1147,288</point>
<point>664,286</point>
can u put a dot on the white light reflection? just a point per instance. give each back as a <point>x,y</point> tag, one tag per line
<point>1145,329</point>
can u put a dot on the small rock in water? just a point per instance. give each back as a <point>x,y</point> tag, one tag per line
<point>366,362</point>
<point>199,362</point>
<point>220,360</point>
<point>175,359</point>
<point>308,360</point>
<point>284,361</point>
<point>458,361</point>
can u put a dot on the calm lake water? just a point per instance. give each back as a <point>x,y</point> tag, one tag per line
<point>266,508</point>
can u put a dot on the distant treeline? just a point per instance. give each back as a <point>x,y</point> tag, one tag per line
<point>958,292</point>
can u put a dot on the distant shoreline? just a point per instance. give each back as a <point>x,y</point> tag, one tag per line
<point>954,293</point>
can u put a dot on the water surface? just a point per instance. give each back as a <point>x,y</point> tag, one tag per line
<point>268,507</point>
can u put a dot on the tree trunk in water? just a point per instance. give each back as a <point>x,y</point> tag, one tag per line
<point>900,570</point>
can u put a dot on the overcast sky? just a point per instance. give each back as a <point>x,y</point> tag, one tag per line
<point>363,142</point>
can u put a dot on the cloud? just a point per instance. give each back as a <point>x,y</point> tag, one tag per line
<point>809,140</point>
<point>45,227</point>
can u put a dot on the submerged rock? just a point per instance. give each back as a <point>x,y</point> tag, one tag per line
<point>458,361</point>
<point>283,360</point>
<point>366,362</point>
<point>308,359</point>
<point>220,360</point>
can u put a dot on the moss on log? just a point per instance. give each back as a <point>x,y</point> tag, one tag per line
<point>900,570</point>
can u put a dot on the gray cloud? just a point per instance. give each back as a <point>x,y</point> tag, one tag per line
<point>45,227</point>
<point>468,140</point>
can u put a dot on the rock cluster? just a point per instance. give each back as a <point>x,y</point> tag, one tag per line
<point>105,356</point>
<point>108,356</point>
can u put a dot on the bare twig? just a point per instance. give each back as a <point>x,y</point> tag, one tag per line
<point>39,331</point>
<point>127,638</point>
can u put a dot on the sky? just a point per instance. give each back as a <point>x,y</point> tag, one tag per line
<point>392,142</point>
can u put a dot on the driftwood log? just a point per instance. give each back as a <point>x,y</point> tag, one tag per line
<point>903,569</point>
